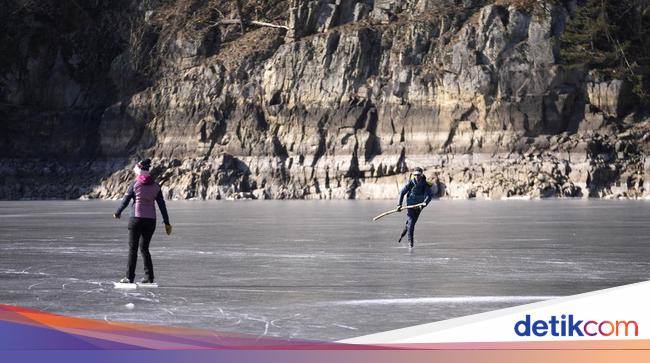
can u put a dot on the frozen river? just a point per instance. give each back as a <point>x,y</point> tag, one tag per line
<point>319,269</point>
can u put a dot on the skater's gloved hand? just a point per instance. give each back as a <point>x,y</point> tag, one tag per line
<point>420,207</point>
<point>168,229</point>
<point>116,215</point>
<point>399,208</point>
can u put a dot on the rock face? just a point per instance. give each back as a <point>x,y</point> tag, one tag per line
<point>341,105</point>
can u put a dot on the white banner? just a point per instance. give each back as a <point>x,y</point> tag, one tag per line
<point>619,313</point>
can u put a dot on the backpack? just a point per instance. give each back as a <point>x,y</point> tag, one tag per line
<point>429,182</point>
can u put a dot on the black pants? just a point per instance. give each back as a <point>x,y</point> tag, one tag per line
<point>140,233</point>
<point>412,218</point>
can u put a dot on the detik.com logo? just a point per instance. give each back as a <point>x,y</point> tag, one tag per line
<point>568,325</point>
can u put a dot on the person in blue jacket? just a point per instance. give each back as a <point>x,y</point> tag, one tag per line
<point>418,191</point>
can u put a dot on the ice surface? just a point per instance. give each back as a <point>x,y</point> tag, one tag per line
<point>318,269</point>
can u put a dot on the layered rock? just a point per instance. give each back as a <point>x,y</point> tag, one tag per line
<point>357,93</point>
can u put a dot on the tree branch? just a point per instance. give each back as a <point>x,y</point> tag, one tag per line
<point>261,23</point>
<point>253,22</point>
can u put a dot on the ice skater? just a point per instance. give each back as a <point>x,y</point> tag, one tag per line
<point>419,191</point>
<point>142,223</point>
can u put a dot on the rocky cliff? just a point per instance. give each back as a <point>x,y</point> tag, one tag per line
<point>340,104</point>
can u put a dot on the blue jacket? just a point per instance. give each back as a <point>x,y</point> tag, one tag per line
<point>417,192</point>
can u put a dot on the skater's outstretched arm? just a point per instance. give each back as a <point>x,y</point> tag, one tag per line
<point>163,210</point>
<point>130,194</point>
<point>402,193</point>
<point>429,196</point>
<point>162,206</point>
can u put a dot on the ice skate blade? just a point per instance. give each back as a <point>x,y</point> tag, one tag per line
<point>122,285</point>
<point>147,286</point>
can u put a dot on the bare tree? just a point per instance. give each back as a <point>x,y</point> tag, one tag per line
<point>240,15</point>
<point>242,21</point>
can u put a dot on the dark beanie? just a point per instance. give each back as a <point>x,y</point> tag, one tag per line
<point>144,164</point>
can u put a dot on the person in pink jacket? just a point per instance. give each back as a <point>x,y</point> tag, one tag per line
<point>142,224</point>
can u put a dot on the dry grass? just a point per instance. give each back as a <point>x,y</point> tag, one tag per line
<point>250,45</point>
<point>519,4</point>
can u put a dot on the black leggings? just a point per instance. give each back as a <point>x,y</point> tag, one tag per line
<point>412,218</point>
<point>140,233</point>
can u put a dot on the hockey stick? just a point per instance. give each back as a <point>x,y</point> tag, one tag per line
<point>397,210</point>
